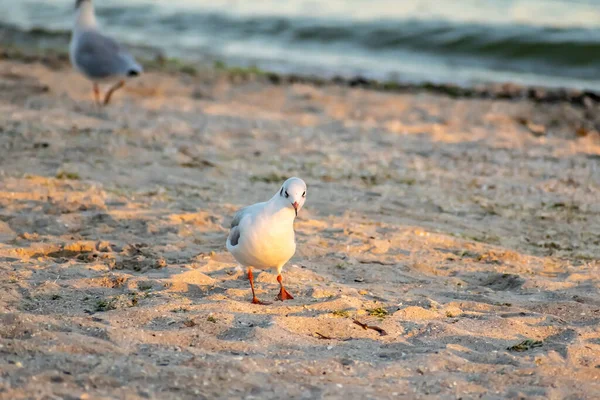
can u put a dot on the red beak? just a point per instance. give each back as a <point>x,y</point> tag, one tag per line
<point>296,205</point>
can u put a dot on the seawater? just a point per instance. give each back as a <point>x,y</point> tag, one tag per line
<point>532,42</point>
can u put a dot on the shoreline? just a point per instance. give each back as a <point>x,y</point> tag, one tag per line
<point>158,62</point>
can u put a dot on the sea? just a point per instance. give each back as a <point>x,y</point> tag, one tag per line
<point>551,43</point>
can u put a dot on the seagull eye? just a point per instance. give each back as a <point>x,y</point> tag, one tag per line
<point>286,194</point>
<point>304,194</point>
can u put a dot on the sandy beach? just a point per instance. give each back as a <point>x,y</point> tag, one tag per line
<point>458,227</point>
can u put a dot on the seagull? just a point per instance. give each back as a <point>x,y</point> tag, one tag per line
<point>97,56</point>
<point>262,235</point>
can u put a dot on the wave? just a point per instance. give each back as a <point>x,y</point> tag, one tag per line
<point>518,48</point>
<point>571,52</point>
<point>402,46</point>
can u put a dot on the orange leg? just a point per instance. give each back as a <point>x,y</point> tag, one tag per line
<point>255,300</point>
<point>113,89</point>
<point>97,94</point>
<point>283,294</point>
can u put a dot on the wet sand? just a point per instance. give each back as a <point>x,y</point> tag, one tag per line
<point>459,227</point>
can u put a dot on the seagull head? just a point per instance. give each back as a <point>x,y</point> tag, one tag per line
<point>84,15</point>
<point>293,193</point>
<point>78,3</point>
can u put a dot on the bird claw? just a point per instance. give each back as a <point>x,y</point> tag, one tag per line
<point>284,295</point>
<point>262,303</point>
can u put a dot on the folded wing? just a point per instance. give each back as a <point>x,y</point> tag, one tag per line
<point>99,56</point>
<point>235,230</point>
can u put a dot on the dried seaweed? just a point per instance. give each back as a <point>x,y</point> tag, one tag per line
<point>373,327</point>
<point>525,345</point>
<point>321,336</point>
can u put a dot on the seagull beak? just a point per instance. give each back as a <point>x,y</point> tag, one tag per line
<point>296,205</point>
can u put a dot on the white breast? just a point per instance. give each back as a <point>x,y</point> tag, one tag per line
<point>266,242</point>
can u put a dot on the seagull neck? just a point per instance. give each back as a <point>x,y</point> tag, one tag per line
<point>86,18</point>
<point>280,209</point>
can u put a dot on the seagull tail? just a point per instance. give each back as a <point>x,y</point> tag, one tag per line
<point>135,69</point>
<point>132,67</point>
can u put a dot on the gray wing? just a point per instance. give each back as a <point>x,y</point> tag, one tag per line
<point>238,217</point>
<point>234,236</point>
<point>99,56</point>
<point>235,233</point>
<point>243,211</point>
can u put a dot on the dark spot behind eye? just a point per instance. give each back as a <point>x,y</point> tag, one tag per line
<point>304,194</point>
<point>281,191</point>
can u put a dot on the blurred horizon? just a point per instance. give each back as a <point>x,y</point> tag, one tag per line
<point>553,43</point>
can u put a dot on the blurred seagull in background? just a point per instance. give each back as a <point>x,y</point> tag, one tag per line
<point>96,56</point>
<point>262,235</point>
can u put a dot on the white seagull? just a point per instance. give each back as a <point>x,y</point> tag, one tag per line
<point>262,235</point>
<point>96,56</point>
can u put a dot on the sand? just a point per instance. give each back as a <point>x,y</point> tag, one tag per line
<point>459,227</point>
